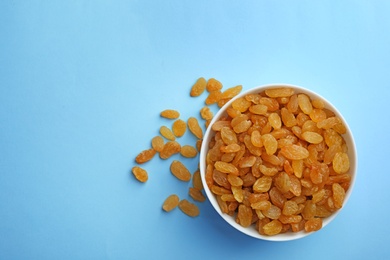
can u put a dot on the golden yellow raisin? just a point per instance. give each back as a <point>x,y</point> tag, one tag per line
<point>231,92</point>
<point>313,224</point>
<point>234,180</point>
<point>228,135</point>
<point>188,208</point>
<point>140,173</point>
<point>158,143</point>
<point>196,194</point>
<point>188,151</point>
<point>312,137</point>
<point>179,127</point>
<point>262,184</point>
<point>338,195</point>
<point>206,113</point>
<point>294,152</point>
<point>230,148</point>
<point>258,109</point>
<point>341,162</point>
<point>279,92</point>
<point>290,208</point>
<point>213,97</point>
<point>305,104</point>
<point>171,202</point>
<point>197,180</point>
<point>328,122</point>
<point>288,118</point>
<point>271,103</point>
<point>273,228</point>
<point>292,104</point>
<point>318,103</point>
<point>194,127</point>
<point>244,215</point>
<point>226,167</point>
<point>275,120</point>
<point>145,156</point>
<point>198,88</point>
<point>170,114</point>
<point>270,143</point>
<point>241,104</point>
<point>169,149</point>
<point>180,171</point>
<point>256,139</point>
<point>213,85</point>
<point>167,133</point>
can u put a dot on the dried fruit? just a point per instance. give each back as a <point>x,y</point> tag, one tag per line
<point>273,228</point>
<point>341,162</point>
<point>140,174</point>
<point>213,85</point>
<point>158,143</point>
<point>279,92</point>
<point>196,194</point>
<point>145,156</point>
<point>305,104</point>
<point>226,167</point>
<point>244,215</point>
<point>338,195</point>
<point>213,97</point>
<point>312,137</point>
<point>313,224</point>
<point>270,143</point>
<point>179,127</point>
<point>294,152</point>
<point>198,88</point>
<point>206,113</point>
<point>231,92</point>
<point>188,151</point>
<point>167,133</point>
<point>197,180</point>
<point>171,202</point>
<point>180,171</point>
<point>194,127</point>
<point>170,114</point>
<point>275,121</point>
<point>169,149</point>
<point>188,208</point>
<point>262,184</point>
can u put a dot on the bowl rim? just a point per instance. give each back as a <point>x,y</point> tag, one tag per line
<point>348,137</point>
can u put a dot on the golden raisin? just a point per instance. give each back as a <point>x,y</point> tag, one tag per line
<point>341,162</point>
<point>279,92</point>
<point>169,149</point>
<point>167,133</point>
<point>179,127</point>
<point>198,88</point>
<point>158,143</point>
<point>194,127</point>
<point>180,171</point>
<point>196,194</point>
<point>231,92</point>
<point>206,113</point>
<point>213,85</point>
<point>170,114</point>
<point>188,208</point>
<point>145,156</point>
<point>188,151</point>
<point>140,174</point>
<point>170,203</point>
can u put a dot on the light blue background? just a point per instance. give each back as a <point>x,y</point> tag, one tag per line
<point>81,87</point>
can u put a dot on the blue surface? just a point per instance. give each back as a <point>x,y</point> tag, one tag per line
<point>81,87</point>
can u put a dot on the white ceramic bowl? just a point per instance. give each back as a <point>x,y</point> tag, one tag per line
<point>251,231</point>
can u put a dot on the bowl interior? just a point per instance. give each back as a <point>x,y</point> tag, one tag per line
<point>251,231</point>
